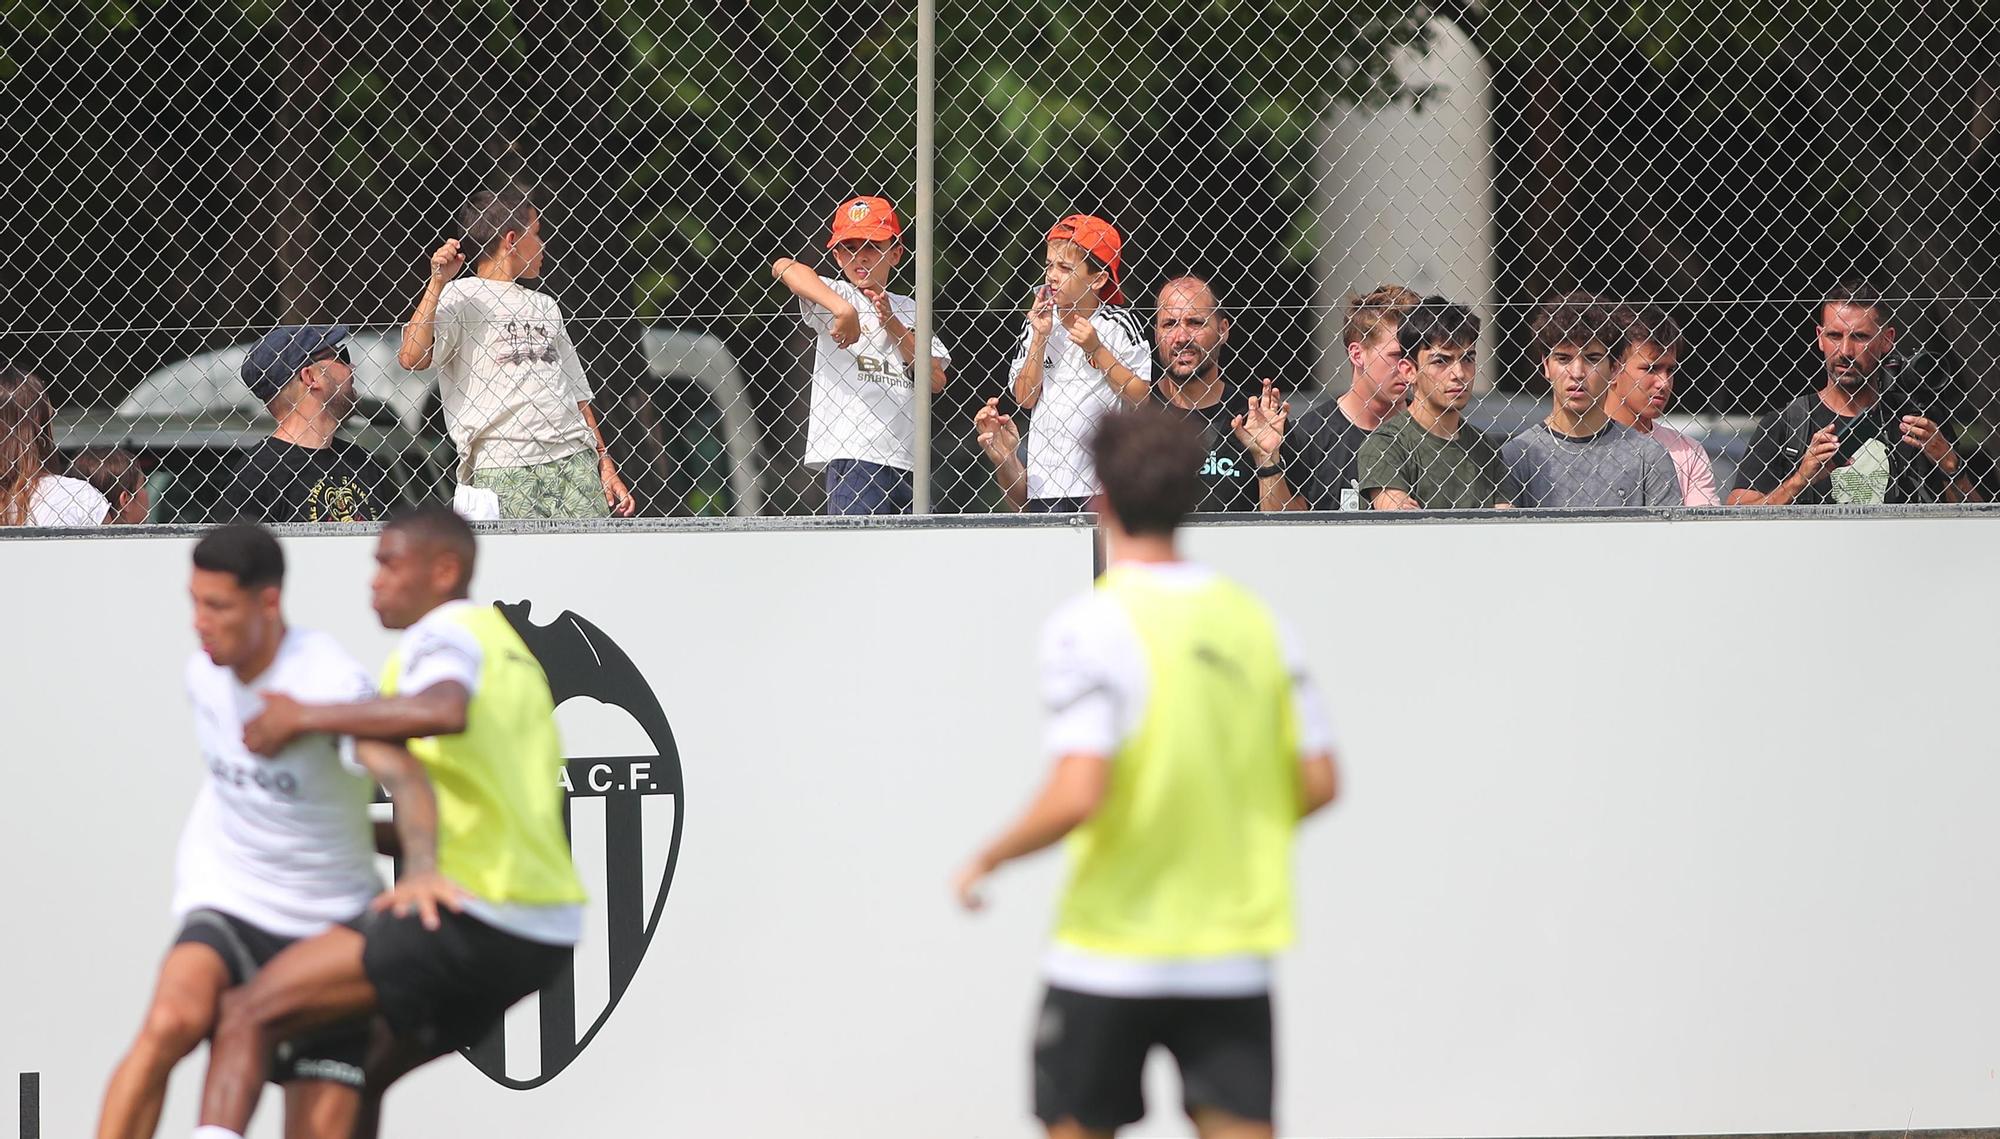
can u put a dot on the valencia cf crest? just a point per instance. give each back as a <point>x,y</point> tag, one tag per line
<point>857,212</point>
<point>641,804</point>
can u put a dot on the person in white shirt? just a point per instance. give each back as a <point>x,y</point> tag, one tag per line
<point>862,429</point>
<point>116,474</point>
<point>1642,383</point>
<point>1185,743</point>
<point>515,398</point>
<point>276,849</point>
<point>31,493</point>
<point>1070,381</point>
<point>500,915</point>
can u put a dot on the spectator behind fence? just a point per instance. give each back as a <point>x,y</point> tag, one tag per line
<point>116,474</point>
<point>1431,459</point>
<point>304,472</point>
<point>31,493</point>
<point>1191,330</point>
<point>1857,439</point>
<point>1578,457</point>
<point>862,431</point>
<point>1071,380</point>
<point>515,398</point>
<point>1642,384</point>
<point>1324,447</point>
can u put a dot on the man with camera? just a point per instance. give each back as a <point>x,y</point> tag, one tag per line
<point>1855,440</point>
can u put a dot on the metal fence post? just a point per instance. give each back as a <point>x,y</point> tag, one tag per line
<point>920,484</point>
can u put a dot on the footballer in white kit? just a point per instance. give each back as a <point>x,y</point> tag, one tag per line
<point>275,849</point>
<point>284,843</point>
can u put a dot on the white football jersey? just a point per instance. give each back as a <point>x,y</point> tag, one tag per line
<point>284,843</point>
<point>1074,397</point>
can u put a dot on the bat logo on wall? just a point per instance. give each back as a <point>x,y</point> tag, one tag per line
<point>638,794</point>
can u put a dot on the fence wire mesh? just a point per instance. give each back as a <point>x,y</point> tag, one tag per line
<point>184,176</point>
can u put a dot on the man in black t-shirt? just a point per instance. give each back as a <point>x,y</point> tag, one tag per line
<point>303,473</point>
<point>1318,457</point>
<point>1855,440</point>
<point>1190,330</point>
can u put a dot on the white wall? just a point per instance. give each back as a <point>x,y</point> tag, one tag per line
<point>1648,829</point>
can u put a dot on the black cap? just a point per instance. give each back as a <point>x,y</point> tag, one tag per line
<point>275,359</point>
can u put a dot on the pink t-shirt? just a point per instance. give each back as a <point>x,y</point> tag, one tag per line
<point>1691,464</point>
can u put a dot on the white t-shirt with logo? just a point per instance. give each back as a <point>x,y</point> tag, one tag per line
<point>508,376</point>
<point>284,843</point>
<point>59,501</point>
<point>1074,396</point>
<point>863,403</point>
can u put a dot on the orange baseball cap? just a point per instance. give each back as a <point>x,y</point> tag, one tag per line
<point>1100,239</point>
<point>864,219</point>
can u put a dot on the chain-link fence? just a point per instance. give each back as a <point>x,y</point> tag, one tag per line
<point>182,176</point>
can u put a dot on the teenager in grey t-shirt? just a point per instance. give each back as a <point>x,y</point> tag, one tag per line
<point>1616,466</point>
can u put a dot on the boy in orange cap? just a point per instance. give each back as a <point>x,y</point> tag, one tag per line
<point>1070,380</point>
<point>862,432</point>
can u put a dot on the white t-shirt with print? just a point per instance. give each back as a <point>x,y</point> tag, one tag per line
<point>508,376</point>
<point>284,843</point>
<point>1095,683</point>
<point>1074,396</point>
<point>863,404</point>
<point>59,501</point>
<point>436,649</point>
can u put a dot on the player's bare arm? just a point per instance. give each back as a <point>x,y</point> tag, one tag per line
<point>1319,782</point>
<point>420,331</point>
<point>436,711</point>
<point>420,887</point>
<point>1067,800</point>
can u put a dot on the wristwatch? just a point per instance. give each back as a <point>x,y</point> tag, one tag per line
<point>1271,470</point>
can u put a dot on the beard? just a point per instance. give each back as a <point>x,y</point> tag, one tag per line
<point>1855,378</point>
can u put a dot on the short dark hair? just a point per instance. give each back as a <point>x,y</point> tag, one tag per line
<point>438,526</point>
<point>1435,322</point>
<point>1645,324</point>
<point>243,550</point>
<point>1855,292</point>
<point>114,471</point>
<point>1149,464</point>
<point>1573,318</point>
<point>490,215</point>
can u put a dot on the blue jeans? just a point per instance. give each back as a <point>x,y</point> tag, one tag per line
<point>857,487</point>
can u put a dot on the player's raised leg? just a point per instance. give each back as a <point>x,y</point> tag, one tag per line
<point>316,982</point>
<point>191,982</point>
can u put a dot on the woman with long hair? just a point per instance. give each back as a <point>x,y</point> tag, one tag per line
<point>31,493</point>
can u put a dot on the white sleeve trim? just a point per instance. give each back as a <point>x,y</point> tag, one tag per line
<point>1308,706</point>
<point>436,652</point>
<point>1093,679</point>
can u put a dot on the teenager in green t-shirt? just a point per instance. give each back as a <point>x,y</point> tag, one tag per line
<point>1431,459</point>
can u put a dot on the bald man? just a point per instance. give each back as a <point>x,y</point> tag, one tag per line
<point>1190,331</point>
